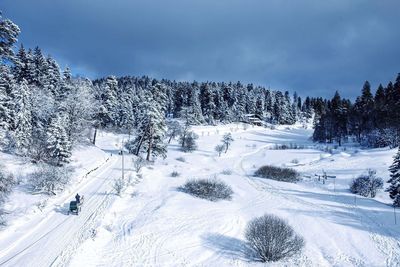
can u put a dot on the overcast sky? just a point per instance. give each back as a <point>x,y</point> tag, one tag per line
<point>312,47</point>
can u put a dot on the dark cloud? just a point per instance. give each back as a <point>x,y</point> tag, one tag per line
<point>313,47</point>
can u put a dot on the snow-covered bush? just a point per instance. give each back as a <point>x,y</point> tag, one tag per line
<point>175,174</point>
<point>188,142</point>
<point>181,159</point>
<point>381,138</point>
<point>118,185</point>
<point>366,184</point>
<point>49,179</point>
<point>6,184</point>
<point>211,189</point>
<point>227,172</point>
<point>272,238</point>
<point>277,173</point>
<point>287,146</point>
<point>227,140</point>
<point>394,181</point>
<point>219,149</point>
<point>138,163</point>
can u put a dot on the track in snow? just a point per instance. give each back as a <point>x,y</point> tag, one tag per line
<point>53,241</point>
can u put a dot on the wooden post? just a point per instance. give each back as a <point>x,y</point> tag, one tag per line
<point>94,136</point>
<point>395,217</point>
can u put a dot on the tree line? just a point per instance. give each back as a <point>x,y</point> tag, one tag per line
<point>372,120</point>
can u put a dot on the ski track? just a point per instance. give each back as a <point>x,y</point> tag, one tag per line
<point>133,243</point>
<point>66,231</point>
<point>385,243</point>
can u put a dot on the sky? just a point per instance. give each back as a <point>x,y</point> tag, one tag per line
<point>312,47</point>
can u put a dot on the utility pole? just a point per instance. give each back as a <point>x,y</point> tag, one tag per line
<point>395,217</point>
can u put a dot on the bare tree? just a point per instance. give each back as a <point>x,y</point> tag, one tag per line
<point>227,139</point>
<point>272,238</point>
<point>174,130</point>
<point>138,163</point>
<point>219,149</point>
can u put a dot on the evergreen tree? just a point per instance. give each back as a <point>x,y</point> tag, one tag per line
<point>53,79</point>
<point>259,111</point>
<point>150,130</point>
<point>107,110</point>
<point>22,116</point>
<point>188,141</point>
<point>380,109</point>
<point>8,37</point>
<point>40,72</point>
<point>6,82</point>
<point>207,103</point>
<point>394,188</point>
<point>227,140</point>
<point>58,145</point>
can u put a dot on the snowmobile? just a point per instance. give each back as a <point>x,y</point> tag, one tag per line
<point>75,207</point>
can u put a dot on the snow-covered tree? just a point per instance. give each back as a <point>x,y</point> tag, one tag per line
<point>207,103</point>
<point>174,130</point>
<point>188,141</point>
<point>227,140</point>
<point>58,145</point>
<point>394,188</point>
<point>8,37</point>
<point>6,82</point>
<point>219,149</point>
<point>53,79</point>
<point>78,109</point>
<point>150,130</point>
<point>22,116</point>
<point>107,110</point>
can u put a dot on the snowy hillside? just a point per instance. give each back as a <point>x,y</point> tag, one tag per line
<point>154,224</point>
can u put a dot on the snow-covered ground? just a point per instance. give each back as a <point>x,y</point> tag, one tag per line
<point>43,235</point>
<point>154,224</point>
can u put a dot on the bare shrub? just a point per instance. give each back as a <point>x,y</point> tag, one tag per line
<point>181,159</point>
<point>366,184</point>
<point>287,146</point>
<point>175,174</point>
<point>219,149</point>
<point>210,189</point>
<point>118,186</point>
<point>272,238</point>
<point>188,141</point>
<point>227,172</point>
<point>278,173</point>
<point>138,163</point>
<point>6,184</point>
<point>48,179</point>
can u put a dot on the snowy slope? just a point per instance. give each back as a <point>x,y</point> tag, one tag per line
<point>50,236</point>
<point>154,224</point>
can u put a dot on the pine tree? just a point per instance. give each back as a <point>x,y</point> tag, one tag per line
<point>41,72</point>
<point>22,116</point>
<point>259,111</point>
<point>108,108</point>
<point>58,144</point>
<point>394,188</point>
<point>53,79</point>
<point>6,83</point>
<point>188,141</point>
<point>227,139</point>
<point>150,129</point>
<point>8,37</point>
<point>207,103</point>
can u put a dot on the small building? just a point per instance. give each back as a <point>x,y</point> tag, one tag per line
<point>253,120</point>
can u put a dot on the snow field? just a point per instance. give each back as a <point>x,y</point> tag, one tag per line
<point>153,224</point>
